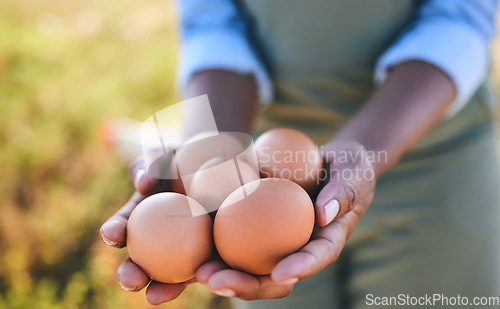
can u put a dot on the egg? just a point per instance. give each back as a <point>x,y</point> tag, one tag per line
<point>261,223</point>
<point>216,179</point>
<point>200,148</point>
<point>169,236</point>
<point>289,154</point>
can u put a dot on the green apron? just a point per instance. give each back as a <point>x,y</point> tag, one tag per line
<point>433,225</point>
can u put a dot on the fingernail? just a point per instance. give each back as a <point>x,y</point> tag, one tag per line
<point>138,177</point>
<point>105,229</point>
<point>224,292</point>
<point>288,281</point>
<point>157,305</point>
<point>108,241</point>
<point>331,210</point>
<point>124,287</point>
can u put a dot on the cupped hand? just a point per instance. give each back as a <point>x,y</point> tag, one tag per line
<point>340,204</point>
<point>113,233</point>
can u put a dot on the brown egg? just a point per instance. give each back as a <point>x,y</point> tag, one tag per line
<point>169,236</point>
<point>199,149</point>
<point>261,223</point>
<point>216,179</point>
<point>163,167</point>
<point>289,154</point>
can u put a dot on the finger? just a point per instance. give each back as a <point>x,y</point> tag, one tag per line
<point>131,277</point>
<point>323,249</point>
<point>348,182</point>
<point>235,283</point>
<point>334,200</point>
<point>205,271</point>
<point>113,231</point>
<point>158,293</point>
<point>139,178</point>
<point>227,282</point>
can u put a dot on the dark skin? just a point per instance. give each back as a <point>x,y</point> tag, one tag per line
<point>412,100</point>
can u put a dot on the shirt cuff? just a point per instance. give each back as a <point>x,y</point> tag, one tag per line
<point>455,48</point>
<point>226,50</point>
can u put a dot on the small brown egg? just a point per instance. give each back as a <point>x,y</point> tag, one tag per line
<point>261,223</point>
<point>216,179</point>
<point>289,154</point>
<point>169,236</point>
<point>199,149</point>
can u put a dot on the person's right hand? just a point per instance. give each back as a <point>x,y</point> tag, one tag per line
<point>113,233</point>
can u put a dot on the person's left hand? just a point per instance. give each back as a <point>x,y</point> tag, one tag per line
<point>345,198</point>
<point>114,233</point>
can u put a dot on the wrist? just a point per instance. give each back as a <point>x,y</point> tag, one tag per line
<point>343,150</point>
<point>348,159</point>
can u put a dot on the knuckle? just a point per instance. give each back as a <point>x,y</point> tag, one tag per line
<point>332,248</point>
<point>351,194</point>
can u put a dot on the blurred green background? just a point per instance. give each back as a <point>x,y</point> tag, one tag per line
<point>65,68</point>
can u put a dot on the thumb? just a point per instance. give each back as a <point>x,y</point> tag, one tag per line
<point>334,200</point>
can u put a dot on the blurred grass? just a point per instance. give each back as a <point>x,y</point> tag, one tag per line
<point>65,66</point>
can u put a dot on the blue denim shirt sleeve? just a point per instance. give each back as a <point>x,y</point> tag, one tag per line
<point>453,35</point>
<point>214,37</point>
